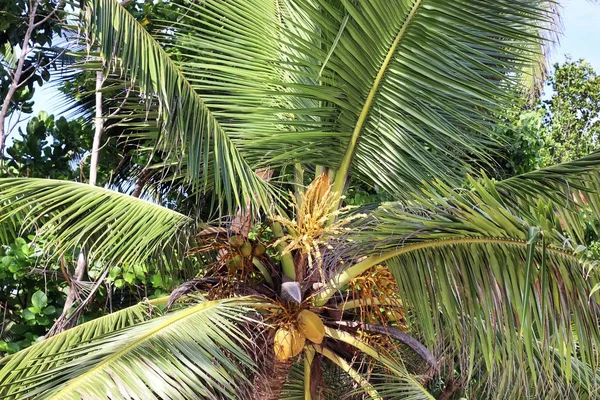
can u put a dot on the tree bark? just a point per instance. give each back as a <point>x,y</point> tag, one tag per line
<point>268,385</point>
<point>66,320</point>
<point>397,334</point>
<point>16,80</point>
<point>98,131</point>
<point>139,186</point>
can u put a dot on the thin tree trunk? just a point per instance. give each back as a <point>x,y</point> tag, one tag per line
<point>139,186</point>
<point>16,80</point>
<point>99,130</point>
<point>66,320</point>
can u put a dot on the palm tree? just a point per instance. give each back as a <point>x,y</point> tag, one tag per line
<point>486,290</point>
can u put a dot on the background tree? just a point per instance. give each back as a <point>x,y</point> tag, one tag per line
<point>26,27</point>
<point>572,115</point>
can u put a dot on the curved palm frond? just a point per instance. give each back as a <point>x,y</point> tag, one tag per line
<point>113,227</point>
<point>326,81</point>
<point>497,282</point>
<point>38,358</point>
<point>191,132</point>
<point>201,346</point>
<point>572,189</point>
<point>419,80</point>
<point>404,384</point>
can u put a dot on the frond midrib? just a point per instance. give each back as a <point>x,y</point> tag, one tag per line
<point>340,180</point>
<point>345,276</point>
<point>175,318</point>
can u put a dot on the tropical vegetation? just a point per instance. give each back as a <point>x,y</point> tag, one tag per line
<point>311,172</point>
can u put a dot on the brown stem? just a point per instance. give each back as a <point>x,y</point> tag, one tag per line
<point>139,186</point>
<point>66,319</point>
<point>449,390</point>
<point>397,334</point>
<point>17,76</point>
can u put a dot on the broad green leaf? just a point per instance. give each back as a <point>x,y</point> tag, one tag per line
<point>39,300</point>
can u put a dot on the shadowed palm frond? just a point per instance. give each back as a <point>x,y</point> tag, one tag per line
<point>500,281</point>
<point>571,189</point>
<point>113,227</point>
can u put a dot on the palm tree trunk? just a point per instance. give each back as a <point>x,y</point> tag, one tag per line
<point>269,383</point>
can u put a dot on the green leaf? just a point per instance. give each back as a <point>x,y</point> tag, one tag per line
<point>28,315</point>
<point>192,134</point>
<point>50,310</point>
<point>39,300</point>
<point>6,261</point>
<point>492,273</point>
<point>113,227</point>
<point>129,277</point>
<point>114,272</point>
<point>200,344</point>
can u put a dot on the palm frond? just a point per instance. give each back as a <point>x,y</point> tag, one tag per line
<point>571,189</point>
<point>419,81</point>
<point>114,228</point>
<point>327,81</point>
<point>191,132</point>
<point>396,373</point>
<point>201,345</point>
<point>42,355</point>
<point>496,280</point>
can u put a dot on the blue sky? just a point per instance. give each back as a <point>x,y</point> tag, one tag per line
<point>581,32</point>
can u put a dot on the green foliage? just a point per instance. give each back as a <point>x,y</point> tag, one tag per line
<point>33,291</point>
<point>30,295</point>
<point>49,148</point>
<point>572,119</point>
<point>564,127</point>
<point>523,133</point>
<point>14,20</point>
<point>399,95</point>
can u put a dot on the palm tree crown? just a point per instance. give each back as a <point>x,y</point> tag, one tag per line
<point>484,290</point>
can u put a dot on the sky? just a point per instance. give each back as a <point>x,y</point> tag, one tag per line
<point>580,38</point>
<point>580,32</point>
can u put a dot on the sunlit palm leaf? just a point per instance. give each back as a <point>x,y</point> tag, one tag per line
<point>113,227</point>
<point>42,356</point>
<point>201,347</point>
<point>327,81</point>
<point>191,132</point>
<point>420,80</point>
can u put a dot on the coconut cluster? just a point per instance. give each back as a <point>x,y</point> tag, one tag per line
<point>290,341</point>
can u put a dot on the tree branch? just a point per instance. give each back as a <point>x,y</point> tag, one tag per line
<point>16,77</point>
